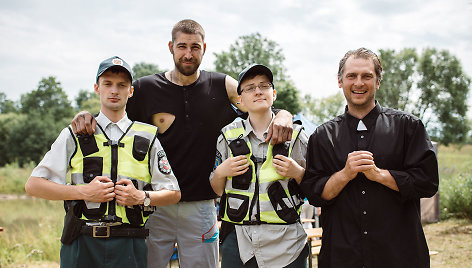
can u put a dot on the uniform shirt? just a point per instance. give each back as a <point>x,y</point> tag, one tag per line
<point>201,110</point>
<point>273,245</point>
<point>55,164</point>
<point>369,224</point>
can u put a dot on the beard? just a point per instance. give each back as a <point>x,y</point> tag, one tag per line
<point>187,70</point>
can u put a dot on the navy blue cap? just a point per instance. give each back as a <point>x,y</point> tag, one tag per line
<point>114,61</point>
<point>254,69</point>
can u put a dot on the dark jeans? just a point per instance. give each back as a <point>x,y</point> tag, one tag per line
<point>230,255</point>
<point>89,252</point>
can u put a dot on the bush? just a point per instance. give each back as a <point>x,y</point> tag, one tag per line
<point>456,195</point>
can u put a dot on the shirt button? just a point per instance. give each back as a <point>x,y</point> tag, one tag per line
<point>365,232</point>
<point>364,212</point>
<point>363,192</point>
<point>362,136</point>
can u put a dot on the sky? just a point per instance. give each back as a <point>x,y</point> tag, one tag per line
<point>68,39</point>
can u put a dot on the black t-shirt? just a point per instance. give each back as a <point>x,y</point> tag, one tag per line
<point>201,110</point>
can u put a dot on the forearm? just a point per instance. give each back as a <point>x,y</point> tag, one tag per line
<point>43,188</point>
<point>164,197</point>
<point>218,182</point>
<point>334,185</point>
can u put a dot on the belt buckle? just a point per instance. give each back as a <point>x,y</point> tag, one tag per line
<point>94,230</point>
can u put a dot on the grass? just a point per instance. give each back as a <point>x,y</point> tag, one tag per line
<point>32,231</point>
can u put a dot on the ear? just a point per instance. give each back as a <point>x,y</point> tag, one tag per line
<point>274,94</point>
<point>131,91</point>
<point>204,48</point>
<point>377,86</point>
<point>340,82</point>
<point>96,89</point>
<point>171,47</point>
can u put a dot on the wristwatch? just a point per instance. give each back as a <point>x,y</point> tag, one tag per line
<point>147,199</point>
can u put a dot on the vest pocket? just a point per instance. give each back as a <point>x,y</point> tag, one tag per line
<point>237,206</point>
<point>92,167</point>
<point>134,213</point>
<point>88,144</point>
<point>140,147</point>
<point>277,195</point>
<point>242,181</point>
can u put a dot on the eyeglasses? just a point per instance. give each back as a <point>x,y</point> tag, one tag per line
<point>263,86</point>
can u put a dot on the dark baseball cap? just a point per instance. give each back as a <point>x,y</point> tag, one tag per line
<point>114,61</point>
<point>254,69</point>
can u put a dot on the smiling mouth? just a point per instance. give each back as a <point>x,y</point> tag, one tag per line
<point>359,91</point>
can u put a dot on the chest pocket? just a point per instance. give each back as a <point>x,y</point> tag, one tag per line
<point>140,147</point>
<point>239,147</point>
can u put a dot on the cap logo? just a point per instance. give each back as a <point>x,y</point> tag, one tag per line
<point>117,62</point>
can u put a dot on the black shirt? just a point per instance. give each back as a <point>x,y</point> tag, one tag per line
<point>369,224</point>
<point>201,110</point>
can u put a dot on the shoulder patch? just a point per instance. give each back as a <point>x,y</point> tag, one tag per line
<point>218,159</point>
<point>164,166</point>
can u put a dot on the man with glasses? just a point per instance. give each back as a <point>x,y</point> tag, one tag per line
<point>258,182</point>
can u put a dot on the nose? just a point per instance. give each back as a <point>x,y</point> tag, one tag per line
<point>359,81</point>
<point>188,53</point>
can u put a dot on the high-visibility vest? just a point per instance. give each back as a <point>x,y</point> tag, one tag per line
<point>276,199</point>
<point>127,158</point>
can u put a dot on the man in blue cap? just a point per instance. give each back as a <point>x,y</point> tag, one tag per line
<point>117,175</point>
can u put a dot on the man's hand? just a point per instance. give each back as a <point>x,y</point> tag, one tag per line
<point>287,167</point>
<point>381,176</point>
<point>233,166</point>
<point>99,190</point>
<point>84,123</point>
<point>127,194</point>
<point>281,128</point>
<point>358,161</point>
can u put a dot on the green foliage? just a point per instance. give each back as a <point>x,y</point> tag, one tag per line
<point>444,88</point>
<point>88,100</point>
<point>6,105</point>
<point>455,180</point>
<point>457,195</point>
<point>33,136</point>
<point>323,109</point>
<point>49,98</point>
<point>397,80</point>
<point>287,97</point>
<point>249,49</point>
<point>255,48</point>
<point>8,123</point>
<point>141,69</point>
<point>13,178</point>
<point>431,86</point>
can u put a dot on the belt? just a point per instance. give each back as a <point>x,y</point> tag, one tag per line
<point>111,231</point>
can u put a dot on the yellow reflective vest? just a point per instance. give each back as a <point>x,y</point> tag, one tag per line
<point>275,199</point>
<point>128,158</point>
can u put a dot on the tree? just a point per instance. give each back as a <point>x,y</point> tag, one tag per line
<point>323,109</point>
<point>398,77</point>
<point>48,98</point>
<point>142,69</point>
<point>287,97</point>
<point>431,86</point>
<point>6,105</point>
<point>249,49</point>
<point>444,87</point>
<point>255,48</point>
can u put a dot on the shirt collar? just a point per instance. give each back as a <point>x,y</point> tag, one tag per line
<point>368,120</point>
<point>249,129</point>
<point>123,124</point>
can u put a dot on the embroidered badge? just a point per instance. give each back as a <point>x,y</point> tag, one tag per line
<point>117,62</point>
<point>164,166</point>
<point>218,159</point>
